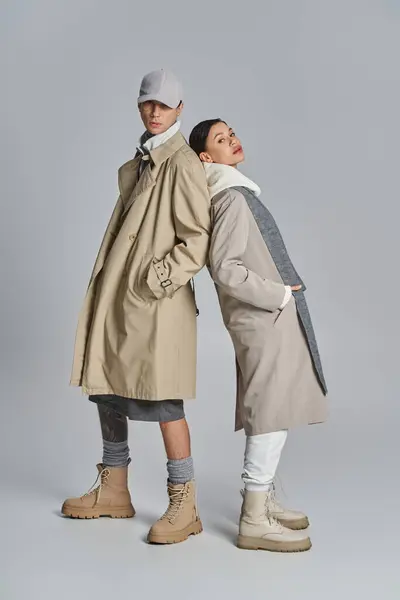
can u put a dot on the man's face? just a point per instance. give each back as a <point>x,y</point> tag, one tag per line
<point>158,117</point>
<point>223,146</point>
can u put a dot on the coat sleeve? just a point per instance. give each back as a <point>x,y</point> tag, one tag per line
<point>228,244</point>
<point>191,214</point>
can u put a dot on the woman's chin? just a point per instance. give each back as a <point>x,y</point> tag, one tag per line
<point>238,160</point>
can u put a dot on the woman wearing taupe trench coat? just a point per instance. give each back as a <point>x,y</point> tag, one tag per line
<point>280,383</point>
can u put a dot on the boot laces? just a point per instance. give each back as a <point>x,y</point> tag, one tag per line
<point>176,499</point>
<point>273,501</point>
<point>103,475</point>
<point>270,505</point>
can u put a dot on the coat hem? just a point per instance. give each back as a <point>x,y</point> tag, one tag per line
<point>133,394</point>
<point>271,429</point>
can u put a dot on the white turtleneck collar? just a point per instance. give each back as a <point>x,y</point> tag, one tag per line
<point>220,177</point>
<point>149,142</point>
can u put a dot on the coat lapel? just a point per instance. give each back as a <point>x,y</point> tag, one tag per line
<point>130,187</point>
<point>127,178</point>
<point>145,183</point>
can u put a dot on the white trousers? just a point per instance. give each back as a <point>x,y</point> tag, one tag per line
<point>261,459</point>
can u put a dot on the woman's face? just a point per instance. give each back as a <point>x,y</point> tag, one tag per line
<point>222,146</point>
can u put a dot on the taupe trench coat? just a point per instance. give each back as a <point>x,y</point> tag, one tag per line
<point>277,386</point>
<point>136,334</point>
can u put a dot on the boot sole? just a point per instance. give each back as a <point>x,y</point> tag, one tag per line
<point>177,537</point>
<point>295,524</point>
<point>92,513</point>
<point>250,543</point>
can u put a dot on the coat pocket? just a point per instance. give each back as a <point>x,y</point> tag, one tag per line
<point>137,279</point>
<point>281,313</point>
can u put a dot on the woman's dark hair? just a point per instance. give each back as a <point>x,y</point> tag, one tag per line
<point>199,135</point>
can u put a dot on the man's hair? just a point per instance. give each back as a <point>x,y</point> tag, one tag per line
<point>199,135</point>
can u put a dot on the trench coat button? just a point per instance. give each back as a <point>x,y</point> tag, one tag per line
<point>132,237</point>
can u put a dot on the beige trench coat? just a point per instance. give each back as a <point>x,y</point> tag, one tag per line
<point>136,334</point>
<point>277,387</point>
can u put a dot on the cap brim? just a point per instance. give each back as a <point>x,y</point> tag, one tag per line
<point>156,98</point>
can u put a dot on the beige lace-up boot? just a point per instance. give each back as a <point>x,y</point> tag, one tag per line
<point>180,520</point>
<point>111,498</point>
<point>260,530</point>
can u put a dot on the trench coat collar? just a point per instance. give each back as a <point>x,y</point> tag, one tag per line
<point>127,177</point>
<point>129,186</point>
<point>166,150</point>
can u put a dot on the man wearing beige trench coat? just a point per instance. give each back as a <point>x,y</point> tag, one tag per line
<point>135,351</point>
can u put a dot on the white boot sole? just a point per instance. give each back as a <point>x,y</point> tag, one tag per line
<point>253,543</point>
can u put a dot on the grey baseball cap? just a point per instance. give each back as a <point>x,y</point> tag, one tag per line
<point>161,86</point>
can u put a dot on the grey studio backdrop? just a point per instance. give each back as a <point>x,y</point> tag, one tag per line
<point>312,88</point>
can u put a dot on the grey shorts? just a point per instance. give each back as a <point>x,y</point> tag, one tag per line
<point>158,411</point>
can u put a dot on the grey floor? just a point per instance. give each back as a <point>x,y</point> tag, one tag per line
<point>344,474</point>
